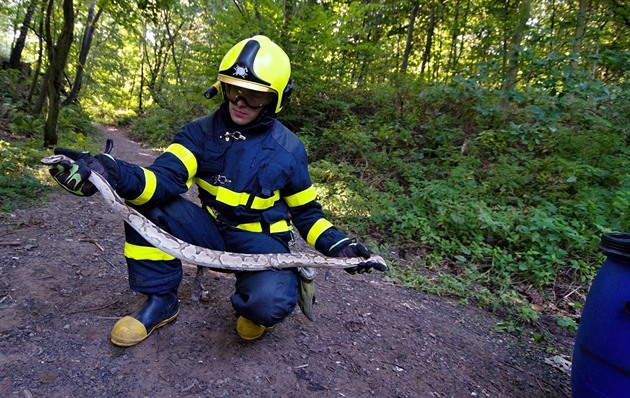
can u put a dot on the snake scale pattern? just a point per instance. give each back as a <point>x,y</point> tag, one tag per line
<point>202,256</point>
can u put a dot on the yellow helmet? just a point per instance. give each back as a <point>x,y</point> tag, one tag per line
<point>258,64</point>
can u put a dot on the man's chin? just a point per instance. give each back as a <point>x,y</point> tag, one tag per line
<point>240,118</point>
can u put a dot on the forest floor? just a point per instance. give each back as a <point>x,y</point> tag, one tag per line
<point>63,284</point>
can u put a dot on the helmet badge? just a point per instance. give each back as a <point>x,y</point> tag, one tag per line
<point>240,71</point>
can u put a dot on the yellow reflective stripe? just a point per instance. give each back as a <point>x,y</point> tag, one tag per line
<point>234,199</point>
<point>187,158</point>
<point>265,203</point>
<point>206,186</point>
<point>250,226</point>
<point>136,252</point>
<point>223,195</point>
<point>316,230</point>
<point>280,226</point>
<point>150,183</point>
<point>211,212</point>
<point>301,198</point>
<point>231,198</point>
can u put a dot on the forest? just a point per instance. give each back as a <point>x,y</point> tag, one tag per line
<point>481,146</point>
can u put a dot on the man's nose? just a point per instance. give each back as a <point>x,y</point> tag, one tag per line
<point>240,101</point>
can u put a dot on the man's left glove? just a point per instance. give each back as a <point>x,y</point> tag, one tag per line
<point>351,248</point>
<point>74,177</point>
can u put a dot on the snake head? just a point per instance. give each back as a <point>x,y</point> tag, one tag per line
<point>54,159</point>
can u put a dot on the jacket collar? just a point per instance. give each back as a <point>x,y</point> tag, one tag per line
<point>262,124</point>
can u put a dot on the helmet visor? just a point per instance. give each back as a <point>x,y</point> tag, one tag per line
<point>253,99</point>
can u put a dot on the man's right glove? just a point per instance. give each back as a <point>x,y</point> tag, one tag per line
<point>351,248</point>
<point>74,177</point>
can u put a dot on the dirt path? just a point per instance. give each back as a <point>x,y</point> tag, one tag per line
<point>63,285</point>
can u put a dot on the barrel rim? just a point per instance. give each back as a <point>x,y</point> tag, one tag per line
<point>616,244</point>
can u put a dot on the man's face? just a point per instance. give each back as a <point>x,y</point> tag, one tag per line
<point>245,105</point>
<point>242,114</point>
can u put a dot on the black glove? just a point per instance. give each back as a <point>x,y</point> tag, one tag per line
<point>351,248</point>
<point>74,177</point>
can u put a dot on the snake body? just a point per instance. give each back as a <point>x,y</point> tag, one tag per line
<point>202,256</point>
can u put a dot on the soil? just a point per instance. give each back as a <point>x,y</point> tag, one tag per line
<point>63,284</point>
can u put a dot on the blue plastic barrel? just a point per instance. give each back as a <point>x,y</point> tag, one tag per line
<point>601,355</point>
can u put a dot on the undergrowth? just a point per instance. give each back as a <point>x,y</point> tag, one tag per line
<point>22,178</point>
<point>504,207</point>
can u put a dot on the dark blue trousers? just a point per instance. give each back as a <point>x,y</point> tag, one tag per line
<point>264,297</point>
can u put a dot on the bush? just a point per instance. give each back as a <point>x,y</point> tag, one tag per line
<point>503,197</point>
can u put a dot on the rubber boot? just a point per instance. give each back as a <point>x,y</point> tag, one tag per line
<point>158,310</point>
<point>248,330</point>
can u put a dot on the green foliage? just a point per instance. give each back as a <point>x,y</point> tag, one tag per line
<point>18,185</point>
<point>567,323</point>
<point>495,201</point>
<point>19,121</point>
<point>14,115</point>
<point>156,127</point>
<point>22,178</point>
<point>499,201</point>
<point>74,120</point>
<point>159,125</point>
<point>16,192</point>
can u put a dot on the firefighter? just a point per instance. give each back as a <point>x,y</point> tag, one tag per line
<point>254,187</point>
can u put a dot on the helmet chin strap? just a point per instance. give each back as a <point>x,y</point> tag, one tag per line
<point>269,110</point>
<point>266,112</point>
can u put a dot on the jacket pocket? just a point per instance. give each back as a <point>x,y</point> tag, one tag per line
<point>272,177</point>
<point>213,161</point>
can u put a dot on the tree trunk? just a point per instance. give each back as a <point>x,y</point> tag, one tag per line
<point>454,37</point>
<point>157,71</point>
<point>515,43</point>
<point>580,27</point>
<point>43,94</point>
<point>86,44</point>
<point>40,59</point>
<point>409,42</point>
<point>16,52</point>
<point>552,18</point>
<point>289,10</point>
<point>140,102</point>
<point>57,56</point>
<point>427,48</point>
<point>457,46</point>
<point>172,37</point>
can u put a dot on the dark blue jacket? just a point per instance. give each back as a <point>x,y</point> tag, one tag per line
<point>252,177</point>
